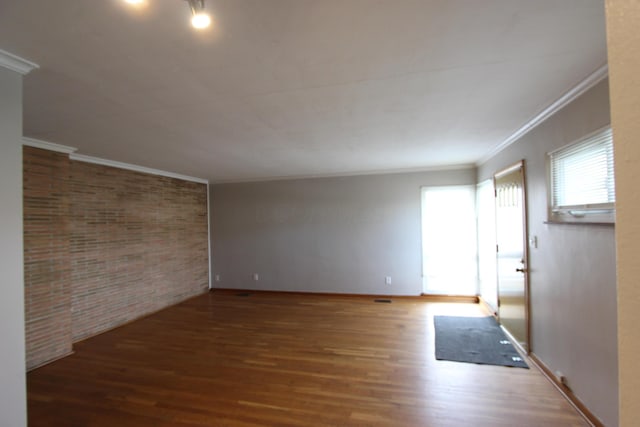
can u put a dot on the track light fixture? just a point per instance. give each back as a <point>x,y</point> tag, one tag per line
<point>200,19</point>
<point>136,3</point>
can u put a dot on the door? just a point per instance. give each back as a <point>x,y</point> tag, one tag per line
<point>511,238</point>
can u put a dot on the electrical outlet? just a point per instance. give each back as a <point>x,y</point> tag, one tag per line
<point>387,280</point>
<point>217,277</point>
<point>256,277</point>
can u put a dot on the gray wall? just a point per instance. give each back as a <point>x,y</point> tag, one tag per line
<point>346,234</point>
<point>12,357</point>
<point>341,235</point>
<point>573,270</point>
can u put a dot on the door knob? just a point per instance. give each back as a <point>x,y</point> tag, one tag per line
<point>521,270</point>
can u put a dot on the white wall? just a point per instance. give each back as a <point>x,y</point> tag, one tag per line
<point>341,235</point>
<point>573,270</point>
<point>12,354</point>
<point>624,62</point>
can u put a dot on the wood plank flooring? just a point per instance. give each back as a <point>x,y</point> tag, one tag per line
<point>286,360</point>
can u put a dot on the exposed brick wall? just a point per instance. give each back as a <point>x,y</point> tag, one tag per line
<point>47,259</point>
<point>104,246</point>
<point>138,244</point>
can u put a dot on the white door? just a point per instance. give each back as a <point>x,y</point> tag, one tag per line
<point>486,219</point>
<point>511,238</point>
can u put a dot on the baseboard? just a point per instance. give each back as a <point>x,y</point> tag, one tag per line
<point>55,359</point>
<point>308,293</point>
<point>566,392</point>
<point>487,307</point>
<point>451,298</point>
<point>523,351</point>
<point>422,297</point>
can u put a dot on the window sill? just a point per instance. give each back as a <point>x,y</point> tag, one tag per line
<point>552,222</point>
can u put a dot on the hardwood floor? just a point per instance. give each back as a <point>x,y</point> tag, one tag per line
<point>286,360</point>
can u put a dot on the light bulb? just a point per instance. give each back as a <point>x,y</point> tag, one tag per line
<point>201,20</point>
<point>135,2</point>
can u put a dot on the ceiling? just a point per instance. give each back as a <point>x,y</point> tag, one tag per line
<point>290,88</point>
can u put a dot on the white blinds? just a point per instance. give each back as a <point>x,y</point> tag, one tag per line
<point>582,174</point>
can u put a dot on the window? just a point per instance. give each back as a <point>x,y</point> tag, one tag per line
<point>582,180</point>
<point>449,250</point>
<point>486,220</point>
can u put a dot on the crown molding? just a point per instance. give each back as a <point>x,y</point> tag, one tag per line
<point>571,95</point>
<point>466,166</point>
<point>15,63</point>
<point>135,168</point>
<point>31,142</point>
<point>71,151</point>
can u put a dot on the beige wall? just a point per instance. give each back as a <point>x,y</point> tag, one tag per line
<point>323,235</point>
<point>572,272</point>
<point>12,365</point>
<point>623,17</point>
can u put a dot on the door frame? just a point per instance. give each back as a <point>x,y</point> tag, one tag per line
<point>525,252</point>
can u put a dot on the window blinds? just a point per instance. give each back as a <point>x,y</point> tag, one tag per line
<point>582,174</point>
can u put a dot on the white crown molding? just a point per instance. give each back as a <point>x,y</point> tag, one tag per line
<point>135,168</point>
<point>586,84</point>
<point>348,174</point>
<point>31,142</point>
<point>15,63</point>
<point>71,151</point>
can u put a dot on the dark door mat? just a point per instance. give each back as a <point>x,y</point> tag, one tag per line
<point>475,340</point>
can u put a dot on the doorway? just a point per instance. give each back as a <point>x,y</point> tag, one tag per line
<point>449,247</point>
<point>512,257</point>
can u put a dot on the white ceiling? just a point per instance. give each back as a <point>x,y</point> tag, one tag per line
<point>297,87</point>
